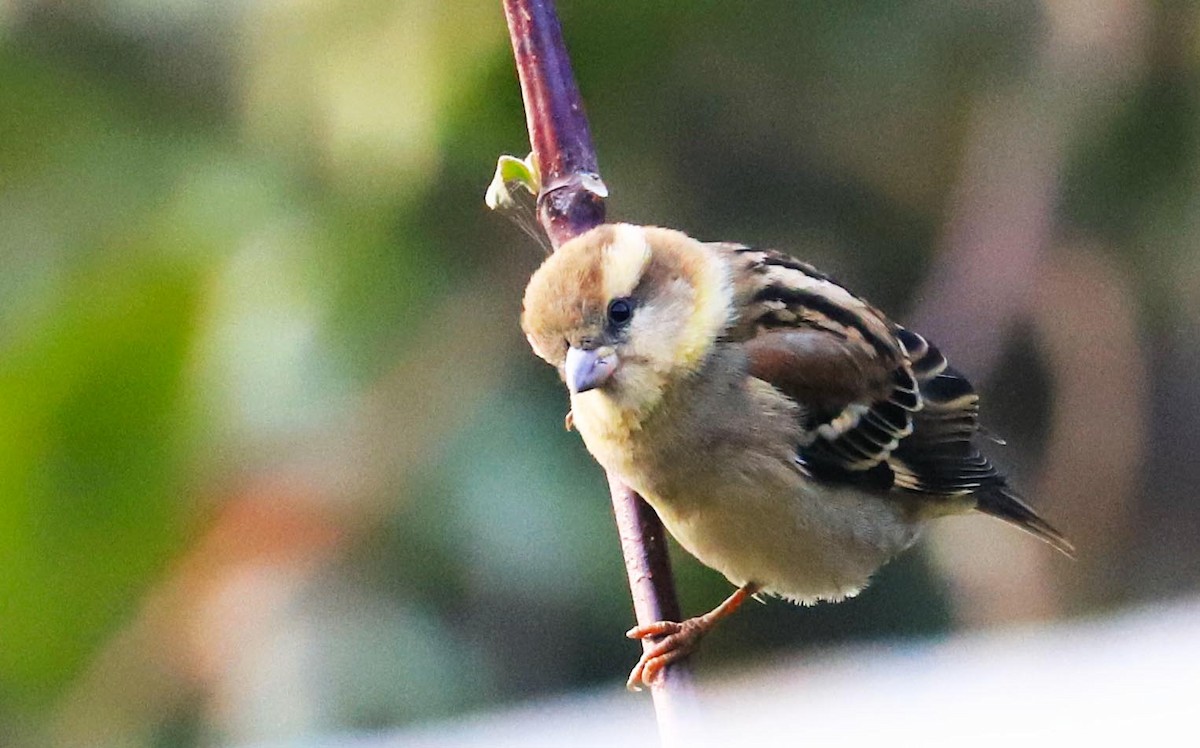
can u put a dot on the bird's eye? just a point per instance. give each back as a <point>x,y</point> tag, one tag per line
<point>620,311</point>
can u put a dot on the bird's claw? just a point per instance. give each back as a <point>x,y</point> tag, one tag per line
<point>675,642</point>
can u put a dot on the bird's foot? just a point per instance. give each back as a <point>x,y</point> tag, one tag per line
<point>677,640</point>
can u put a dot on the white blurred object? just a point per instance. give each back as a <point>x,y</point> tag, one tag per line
<point>1131,677</point>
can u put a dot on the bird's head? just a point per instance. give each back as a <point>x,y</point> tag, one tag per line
<point>627,310</point>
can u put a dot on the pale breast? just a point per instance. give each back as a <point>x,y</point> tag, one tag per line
<point>717,463</point>
<point>796,539</point>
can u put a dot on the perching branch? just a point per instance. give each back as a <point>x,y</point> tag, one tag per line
<point>570,199</point>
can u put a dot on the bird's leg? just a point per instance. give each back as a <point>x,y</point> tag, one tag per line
<point>676,641</point>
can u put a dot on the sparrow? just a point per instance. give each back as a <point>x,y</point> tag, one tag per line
<point>788,434</point>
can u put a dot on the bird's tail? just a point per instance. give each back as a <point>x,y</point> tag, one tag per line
<point>1002,502</point>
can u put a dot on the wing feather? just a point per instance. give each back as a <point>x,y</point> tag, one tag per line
<point>834,354</point>
<point>881,407</point>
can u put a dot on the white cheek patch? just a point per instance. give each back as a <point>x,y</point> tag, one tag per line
<point>679,328</point>
<point>655,329</point>
<point>712,310</point>
<point>625,260</point>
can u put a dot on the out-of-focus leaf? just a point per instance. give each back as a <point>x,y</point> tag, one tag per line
<point>91,431</point>
<point>514,172</point>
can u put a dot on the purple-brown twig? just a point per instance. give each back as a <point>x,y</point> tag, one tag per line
<point>571,201</point>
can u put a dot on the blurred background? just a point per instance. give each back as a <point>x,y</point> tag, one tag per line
<point>275,461</point>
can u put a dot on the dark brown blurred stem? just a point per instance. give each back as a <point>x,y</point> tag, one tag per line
<point>568,206</point>
<point>558,128</point>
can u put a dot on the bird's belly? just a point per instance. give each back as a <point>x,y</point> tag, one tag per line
<point>795,539</point>
<point>730,492</point>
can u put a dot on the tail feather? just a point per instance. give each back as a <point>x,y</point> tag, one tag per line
<point>1003,503</point>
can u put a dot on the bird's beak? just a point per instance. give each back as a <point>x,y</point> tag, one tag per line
<point>587,369</point>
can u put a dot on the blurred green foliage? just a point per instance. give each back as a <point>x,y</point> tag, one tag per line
<point>101,322</point>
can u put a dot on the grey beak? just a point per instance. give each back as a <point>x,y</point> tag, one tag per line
<point>588,369</point>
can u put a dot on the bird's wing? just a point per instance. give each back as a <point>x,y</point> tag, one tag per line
<point>836,356</point>
<point>880,406</point>
<point>940,457</point>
